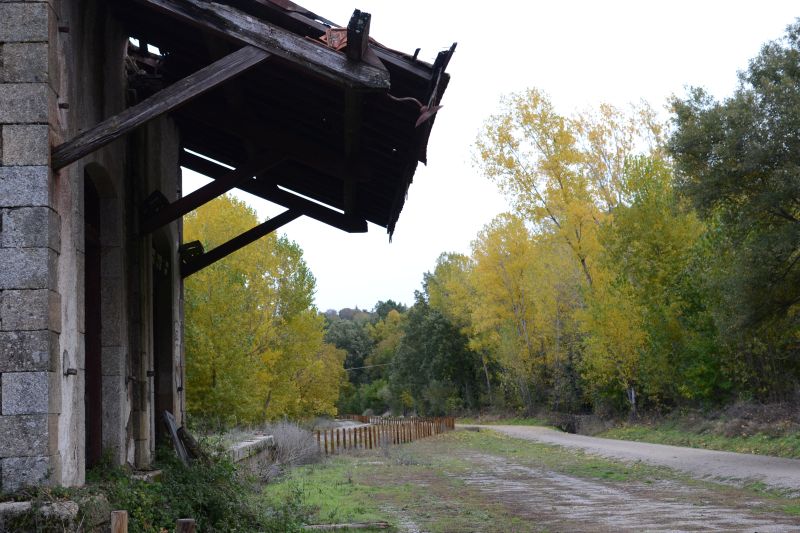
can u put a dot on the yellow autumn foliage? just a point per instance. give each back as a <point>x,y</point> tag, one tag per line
<point>254,340</point>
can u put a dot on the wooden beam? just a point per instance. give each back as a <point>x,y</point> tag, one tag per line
<point>232,24</point>
<point>295,147</point>
<point>238,242</point>
<point>208,192</point>
<point>269,191</point>
<point>345,222</point>
<point>162,102</point>
<point>358,35</point>
<point>397,60</point>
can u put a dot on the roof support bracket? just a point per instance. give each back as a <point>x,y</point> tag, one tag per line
<point>265,188</point>
<point>162,102</point>
<point>212,256</point>
<point>208,192</point>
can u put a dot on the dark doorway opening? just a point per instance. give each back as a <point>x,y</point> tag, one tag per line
<point>93,398</point>
<point>162,335</point>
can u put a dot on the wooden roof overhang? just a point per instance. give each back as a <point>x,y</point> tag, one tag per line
<point>253,86</point>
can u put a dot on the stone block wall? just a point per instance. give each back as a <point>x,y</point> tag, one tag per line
<point>30,306</point>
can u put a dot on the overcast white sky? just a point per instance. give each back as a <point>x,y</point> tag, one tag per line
<point>580,52</point>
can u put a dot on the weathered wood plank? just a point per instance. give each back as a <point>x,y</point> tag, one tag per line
<point>237,242</point>
<point>208,192</point>
<point>397,60</point>
<point>162,102</point>
<point>316,58</point>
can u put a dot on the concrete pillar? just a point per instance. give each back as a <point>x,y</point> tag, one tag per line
<point>30,305</point>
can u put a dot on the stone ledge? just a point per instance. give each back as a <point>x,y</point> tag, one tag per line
<point>65,511</point>
<point>248,448</point>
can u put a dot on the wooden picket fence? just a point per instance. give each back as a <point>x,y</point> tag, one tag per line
<point>381,431</point>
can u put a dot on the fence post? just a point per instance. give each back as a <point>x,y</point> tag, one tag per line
<point>185,525</point>
<point>119,521</point>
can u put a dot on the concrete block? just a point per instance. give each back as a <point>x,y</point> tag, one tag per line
<point>24,351</point>
<point>22,310</point>
<point>24,21</point>
<point>19,472</point>
<point>24,186</point>
<point>25,393</point>
<point>30,227</point>
<point>28,268</point>
<point>23,436</point>
<point>23,62</point>
<point>24,103</point>
<point>26,144</point>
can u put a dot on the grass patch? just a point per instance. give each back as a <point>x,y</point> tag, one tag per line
<point>515,421</point>
<point>778,446</point>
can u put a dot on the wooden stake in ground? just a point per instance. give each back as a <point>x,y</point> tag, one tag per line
<point>185,525</point>
<point>119,521</point>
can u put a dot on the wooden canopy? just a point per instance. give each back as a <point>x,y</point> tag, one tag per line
<point>300,108</point>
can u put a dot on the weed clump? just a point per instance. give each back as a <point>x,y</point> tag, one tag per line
<point>212,492</point>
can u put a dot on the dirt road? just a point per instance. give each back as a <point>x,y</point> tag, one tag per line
<point>705,464</point>
<point>480,481</point>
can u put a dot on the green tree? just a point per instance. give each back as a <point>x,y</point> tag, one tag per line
<point>738,161</point>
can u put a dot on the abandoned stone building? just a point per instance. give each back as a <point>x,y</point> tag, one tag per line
<point>101,104</point>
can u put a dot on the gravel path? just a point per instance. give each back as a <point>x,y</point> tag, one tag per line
<point>775,472</point>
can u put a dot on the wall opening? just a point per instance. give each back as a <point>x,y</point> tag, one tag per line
<point>164,369</point>
<point>93,397</point>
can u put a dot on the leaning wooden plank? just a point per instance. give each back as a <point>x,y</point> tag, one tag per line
<point>354,525</point>
<point>162,102</point>
<point>240,241</point>
<point>208,192</point>
<point>232,24</point>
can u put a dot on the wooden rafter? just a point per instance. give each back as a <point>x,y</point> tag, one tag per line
<point>240,241</point>
<point>263,188</point>
<point>310,24</point>
<point>208,192</point>
<point>232,24</point>
<point>162,102</point>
